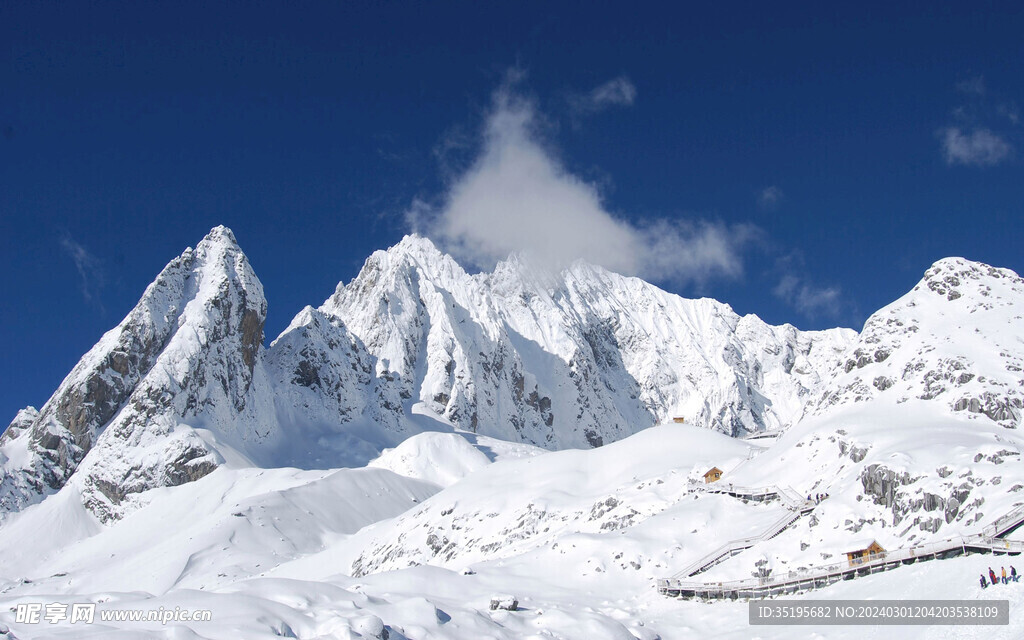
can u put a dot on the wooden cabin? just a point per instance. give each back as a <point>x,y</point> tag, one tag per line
<point>713,475</point>
<point>679,420</point>
<point>866,551</point>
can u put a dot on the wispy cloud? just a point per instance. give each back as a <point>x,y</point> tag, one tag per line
<point>618,92</point>
<point>769,198</point>
<point>798,289</point>
<point>450,151</point>
<point>973,85</point>
<point>970,139</point>
<point>518,197</point>
<point>1009,111</point>
<point>809,300</point>
<point>979,147</point>
<point>88,266</point>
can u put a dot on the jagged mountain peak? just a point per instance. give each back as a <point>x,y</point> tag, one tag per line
<point>220,235</point>
<point>309,316</point>
<point>415,244</point>
<point>575,358</point>
<point>412,251</point>
<point>219,256</point>
<point>186,353</point>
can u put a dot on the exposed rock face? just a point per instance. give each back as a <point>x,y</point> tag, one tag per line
<point>188,352</point>
<point>911,500</point>
<point>927,404</point>
<point>882,483</point>
<point>961,319</point>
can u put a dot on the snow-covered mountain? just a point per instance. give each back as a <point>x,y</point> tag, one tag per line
<point>575,359</point>
<point>131,415</point>
<point>956,338</point>
<point>917,436</point>
<point>158,475</point>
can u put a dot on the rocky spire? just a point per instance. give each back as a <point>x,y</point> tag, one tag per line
<point>189,345</point>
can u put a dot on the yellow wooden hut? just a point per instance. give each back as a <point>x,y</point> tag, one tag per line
<point>713,475</point>
<point>866,551</point>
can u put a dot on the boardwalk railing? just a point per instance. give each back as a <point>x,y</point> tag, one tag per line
<point>1002,525</point>
<point>788,495</point>
<point>796,504</point>
<point>819,572</point>
<point>986,540</point>
<point>731,548</point>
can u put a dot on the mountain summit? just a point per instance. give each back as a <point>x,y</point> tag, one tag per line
<point>187,352</point>
<point>578,358</point>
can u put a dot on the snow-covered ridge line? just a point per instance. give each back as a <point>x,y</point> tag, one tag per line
<point>580,358</point>
<point>576,358</point>
<point>184,384</point>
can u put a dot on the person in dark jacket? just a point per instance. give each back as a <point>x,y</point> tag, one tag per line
<point>1013,574</point>
<point>984,585</point>
<point>992,575</point>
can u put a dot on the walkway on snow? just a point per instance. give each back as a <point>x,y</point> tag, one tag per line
<point>796,506</point>
<point>989,540</point>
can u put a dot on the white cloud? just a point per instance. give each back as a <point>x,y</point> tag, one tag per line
<point>807,299</point>
<point>517,197</point>
<point>86,263</point>
<point>618,92</point>
<point>979,147</point>
<point>769,198</point>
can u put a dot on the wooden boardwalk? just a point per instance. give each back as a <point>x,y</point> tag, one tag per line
<point>796,506</point>
<point>989,540</point>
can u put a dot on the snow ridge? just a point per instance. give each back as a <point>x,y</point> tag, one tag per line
<point>573,359</point>
<point>579,358</point>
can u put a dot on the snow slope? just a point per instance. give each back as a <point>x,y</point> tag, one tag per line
<point>268,552</point>
<point>918,436</point>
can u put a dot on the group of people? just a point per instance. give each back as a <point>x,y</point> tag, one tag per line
<point>818,497</point>
<point>1004,578</point>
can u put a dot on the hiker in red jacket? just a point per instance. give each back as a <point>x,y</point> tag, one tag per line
<point>992,575</point>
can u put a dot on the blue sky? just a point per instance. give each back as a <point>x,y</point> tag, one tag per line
<point>804,163</point>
